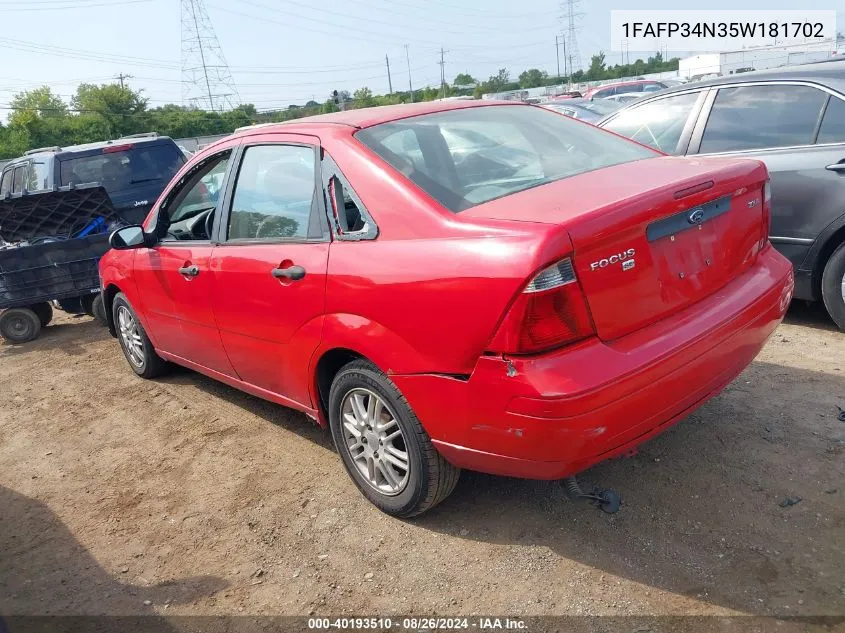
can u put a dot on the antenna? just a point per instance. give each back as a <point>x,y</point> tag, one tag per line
<point>206,80</point>
<point>571,15</point>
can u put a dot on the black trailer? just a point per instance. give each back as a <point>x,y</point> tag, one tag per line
<point>53,241</point>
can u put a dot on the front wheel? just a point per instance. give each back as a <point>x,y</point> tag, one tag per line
<point>833,286</point>
<point>383,446</point>
<point>134,341</point>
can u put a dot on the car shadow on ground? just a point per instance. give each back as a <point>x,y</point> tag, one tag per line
<point>283,417</point>
<point>70,335</point>
<point>812,315</point>
<point>44,570</point>
<point>701,514</point>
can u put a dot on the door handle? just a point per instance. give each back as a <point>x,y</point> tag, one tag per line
<point>189,271</point>
<point>840,167</point>
<point>294,273</point>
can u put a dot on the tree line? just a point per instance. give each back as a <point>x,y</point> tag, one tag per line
<point>40,118</point>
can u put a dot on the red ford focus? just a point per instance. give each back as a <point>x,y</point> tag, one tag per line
<point>454,285</point>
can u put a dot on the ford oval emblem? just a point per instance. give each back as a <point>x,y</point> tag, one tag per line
<point>696,217</point>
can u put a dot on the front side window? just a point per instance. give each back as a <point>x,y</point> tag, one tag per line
<point>473,155</point>
<point>757,117</point>
<point>659,123</point>
<point>274,193</point>
<point>201,192</point>
<point>833,124</point>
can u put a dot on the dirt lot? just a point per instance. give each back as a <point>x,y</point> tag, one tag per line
<point>183,496</point>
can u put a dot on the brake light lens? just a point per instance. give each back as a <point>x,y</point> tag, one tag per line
<point>111,149</point>
<point>767,211</point>
<point>550,312</point>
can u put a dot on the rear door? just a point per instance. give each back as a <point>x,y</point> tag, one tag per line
<point>175,276</point>
<point>270,265</point>
<point>797,129</point>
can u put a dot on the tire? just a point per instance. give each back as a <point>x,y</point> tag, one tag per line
<point>428,478</point>
<point>141,356</point>
<point>99,310</point>
<point>19,325</point>
<point>44,311</point>
<point>87,303</point>
<point>833,286</point>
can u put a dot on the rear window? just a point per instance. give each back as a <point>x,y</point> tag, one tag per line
<point>466,157</point>
<point>118,170</point>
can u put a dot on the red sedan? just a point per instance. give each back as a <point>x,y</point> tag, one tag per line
<point>454,285</point>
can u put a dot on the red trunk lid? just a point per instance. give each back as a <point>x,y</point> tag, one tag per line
<point>652,236</point>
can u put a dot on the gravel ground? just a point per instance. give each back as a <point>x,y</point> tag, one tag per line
<point>183,496</point>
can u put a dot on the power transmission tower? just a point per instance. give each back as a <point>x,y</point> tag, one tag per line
<point>571,15</point>
<point>206,80</point>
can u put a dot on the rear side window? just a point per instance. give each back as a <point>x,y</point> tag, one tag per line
<point>36,176</point>
<point>658,123</point>
<point>833,124</point>
<point>274,193</point>
<point>472,155</point>
<point>118,169</point>
<point>756,117</point>
<point>604,93</point>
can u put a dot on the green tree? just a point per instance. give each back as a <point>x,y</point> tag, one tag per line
<point>532,78</point>
<point>363,98</point>
<point>119,106</point>
<point>464,79</point>
<point>597,67</point>
<point>40,101</point>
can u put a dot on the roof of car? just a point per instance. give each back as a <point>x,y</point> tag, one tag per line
<point>831,74</point>
<point>367,117</point>
<point>84,147</point>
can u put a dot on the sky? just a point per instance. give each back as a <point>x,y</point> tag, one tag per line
<point>282,52</point>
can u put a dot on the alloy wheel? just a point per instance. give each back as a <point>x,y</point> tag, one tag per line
<point>131,336</point>
<point>374,440</point>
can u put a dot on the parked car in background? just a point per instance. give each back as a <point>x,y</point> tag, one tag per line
<point>133,169</point>
<point>793,119</point>
<point>623,98</point>
<point>608,90</point>
<point>439,308</point>
<point>584,109</point>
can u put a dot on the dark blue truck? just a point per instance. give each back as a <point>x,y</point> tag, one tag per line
<point>57,207</point>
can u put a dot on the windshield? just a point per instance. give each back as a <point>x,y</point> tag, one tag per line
<point>124,169</point>
<point>470,156</point>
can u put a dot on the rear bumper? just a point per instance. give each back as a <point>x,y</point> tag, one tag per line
<point>552,415</point>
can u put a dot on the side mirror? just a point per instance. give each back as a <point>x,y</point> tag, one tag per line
<point>129,237</point>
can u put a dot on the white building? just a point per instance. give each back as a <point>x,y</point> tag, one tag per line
<point>732,62</point>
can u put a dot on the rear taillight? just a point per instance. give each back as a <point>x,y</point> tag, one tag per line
<point>767,211</point>
<point>548,313</point>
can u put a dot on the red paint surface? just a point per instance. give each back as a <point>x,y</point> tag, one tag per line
<point>425,299</point>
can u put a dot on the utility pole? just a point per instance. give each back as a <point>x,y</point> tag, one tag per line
<point>557,54</point>
<point>121,77</point>
<point>410,87</point>
<point>564,57</point>
<point>442,73</point>
<point>389,80</point>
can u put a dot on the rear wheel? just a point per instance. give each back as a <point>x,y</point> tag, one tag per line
<point>134,341</point>
<point>19,325</point>
<point>833,286</point>
<point>382,444</point>
<point>44,312</point>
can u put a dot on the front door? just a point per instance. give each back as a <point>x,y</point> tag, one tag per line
<point>174,277</point>
<point>270,267</point>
